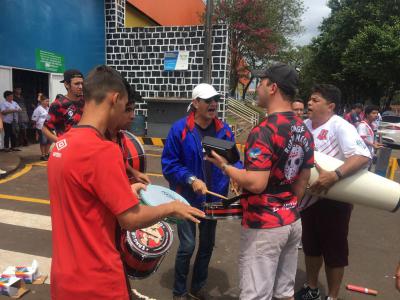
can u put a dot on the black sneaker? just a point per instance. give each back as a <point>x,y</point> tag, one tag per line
<point>307,293</point>
<point>181,297</point>
<point>200,295</point>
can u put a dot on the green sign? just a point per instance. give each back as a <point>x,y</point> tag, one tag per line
<point>49,61</point>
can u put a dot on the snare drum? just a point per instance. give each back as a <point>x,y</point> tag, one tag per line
<point>136,155</point>
<point>144,249</point>
<point>216,211</point>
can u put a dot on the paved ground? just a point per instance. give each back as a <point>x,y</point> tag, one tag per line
<point>26,234</point>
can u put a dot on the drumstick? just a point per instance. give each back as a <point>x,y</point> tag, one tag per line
<point>216,195</point>
<point>235,190</point>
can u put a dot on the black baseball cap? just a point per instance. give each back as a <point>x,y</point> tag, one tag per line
<point>283,75</point>
<point>71,73</point>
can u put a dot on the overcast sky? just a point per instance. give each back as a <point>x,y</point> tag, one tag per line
<point>316,10</point>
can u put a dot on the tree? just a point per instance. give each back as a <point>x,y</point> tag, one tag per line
<point>373,56</point>
<point>259,29</point>
<point>357,40</point>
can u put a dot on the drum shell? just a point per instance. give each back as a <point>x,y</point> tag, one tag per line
<point>139,261</point>
<point>136,154</point>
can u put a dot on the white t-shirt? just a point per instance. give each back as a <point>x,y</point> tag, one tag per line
<point>336,138</point>
<point>39,116</point>
<point>8,118</point>
<point>367,134</point>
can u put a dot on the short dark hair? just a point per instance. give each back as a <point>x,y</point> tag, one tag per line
<point>101,80</point>
<point>7,93</point>
<point>43,97</point>
<point>357,105</point>
<point>133,95</point>
<point>298,100</point>
<point>329,92</point>
<point>370,108</point>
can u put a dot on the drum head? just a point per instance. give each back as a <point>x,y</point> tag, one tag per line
<point>137,156</point>
<point>152,241</point>
<point>155,195</point>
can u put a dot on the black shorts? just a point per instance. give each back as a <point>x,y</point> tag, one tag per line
<point>325,231</point>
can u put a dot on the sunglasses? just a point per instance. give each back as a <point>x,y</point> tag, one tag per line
<point>209,100</point>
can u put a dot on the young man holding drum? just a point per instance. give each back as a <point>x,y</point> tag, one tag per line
<point>326,222</point>
<point>90,193</point>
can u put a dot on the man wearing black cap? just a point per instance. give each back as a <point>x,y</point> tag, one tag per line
<point>65,111</point>
<point>278,157</point>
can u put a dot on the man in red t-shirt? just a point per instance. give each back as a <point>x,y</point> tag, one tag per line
<point>90,193</point>
<point>278,157</point>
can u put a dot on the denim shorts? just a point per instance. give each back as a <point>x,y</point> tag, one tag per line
<point>43,140</point>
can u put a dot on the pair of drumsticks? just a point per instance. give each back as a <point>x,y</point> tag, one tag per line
<point>228,201</point>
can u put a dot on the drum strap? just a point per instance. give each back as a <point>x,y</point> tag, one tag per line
<point>118,233</point>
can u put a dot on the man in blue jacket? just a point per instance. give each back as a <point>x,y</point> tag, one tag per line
<point>183,165</point>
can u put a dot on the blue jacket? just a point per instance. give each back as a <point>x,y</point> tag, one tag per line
<point>183,157</point>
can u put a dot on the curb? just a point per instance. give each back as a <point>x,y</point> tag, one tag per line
<point>9,172</point>
<point>160,142</point>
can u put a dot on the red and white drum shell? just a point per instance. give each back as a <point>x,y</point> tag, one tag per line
<point>144,249</point>
<point>216,211</point>
<point>136,154</point>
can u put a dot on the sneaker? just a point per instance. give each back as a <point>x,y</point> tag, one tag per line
<point>2,172</point>
<point>43,157</point>
<point>307,293</point>
<point>200,295</point>
<point>181,297</point>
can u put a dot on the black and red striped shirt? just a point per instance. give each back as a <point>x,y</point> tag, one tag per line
<point>283,145</point>
<point>63,114</point>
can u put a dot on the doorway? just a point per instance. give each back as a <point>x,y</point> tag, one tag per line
<point>31,83</point>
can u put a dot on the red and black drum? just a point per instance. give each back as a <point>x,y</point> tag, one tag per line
<point>216,211</point>
<point>136,155</point>
<point>144,249</point>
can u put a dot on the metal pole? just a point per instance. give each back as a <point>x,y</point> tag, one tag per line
<point>208,42</point>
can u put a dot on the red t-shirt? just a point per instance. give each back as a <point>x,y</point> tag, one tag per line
<point>282,145</point>
<point>88,188</point>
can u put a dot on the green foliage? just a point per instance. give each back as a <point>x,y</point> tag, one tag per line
<point>358,50</point>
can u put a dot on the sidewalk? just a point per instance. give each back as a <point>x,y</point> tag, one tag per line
<point>9,162</point>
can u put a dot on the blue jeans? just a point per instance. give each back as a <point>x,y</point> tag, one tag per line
<point>187,239</point>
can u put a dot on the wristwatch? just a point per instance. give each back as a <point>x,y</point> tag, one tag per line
<point>191,179</point>
<point>339,174</point>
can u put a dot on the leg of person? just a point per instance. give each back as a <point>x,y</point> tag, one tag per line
<point>43,145</point>
<point>260,250</point>
<point>207,230</point>
<point>312,251</point>
<point>7,136</point>
<point>13,139</point>
<point>187,243</point>
<point>335,245</point>
<point>287,266</point>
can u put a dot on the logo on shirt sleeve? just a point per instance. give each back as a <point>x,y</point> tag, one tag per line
<point>254,153</point>
<point>61,144</point>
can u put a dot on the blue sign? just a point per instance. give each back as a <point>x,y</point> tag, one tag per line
<point>176,60</point>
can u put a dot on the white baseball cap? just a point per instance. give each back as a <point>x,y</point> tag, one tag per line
<point>204,91</point>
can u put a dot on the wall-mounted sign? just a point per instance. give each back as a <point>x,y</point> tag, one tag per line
<point>49,61</point>
<point>176,60</point>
